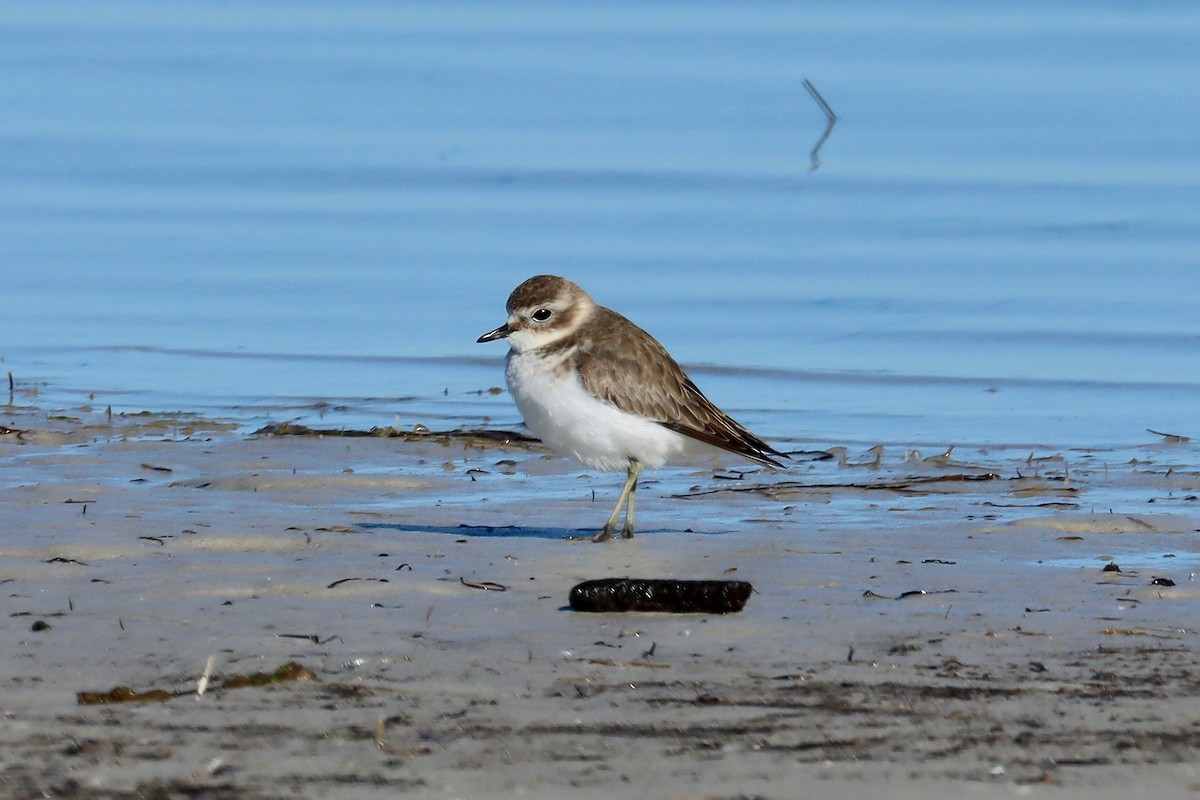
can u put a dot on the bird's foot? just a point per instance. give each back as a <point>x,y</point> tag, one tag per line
<point>604,535</point>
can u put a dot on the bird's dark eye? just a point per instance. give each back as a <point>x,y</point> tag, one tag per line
<point>542,314</point>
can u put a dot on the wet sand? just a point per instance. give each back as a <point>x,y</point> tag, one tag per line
<point>935,625</point>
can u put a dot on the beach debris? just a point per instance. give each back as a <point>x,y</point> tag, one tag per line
<point>916,485</point>
<point>940,458</point>
<point>39,626</point>
<point>1172,438</point>
<point>608,662</point>
<point>1111,567</point>
<point>922,593</point>
<point>1055,504</point>
<point>285,673</point>
<point>291,671</point>
<point>1138,631</point>
<point>477,436</point>
<point>123,694</point>
<point>843,457</point>
<point>17,432</point>
<point>339,582</point>
<point>205,677</point>
<point>309,637</point>
<point>873,595</point>
<point>487,586</point>
<point>653,594</point>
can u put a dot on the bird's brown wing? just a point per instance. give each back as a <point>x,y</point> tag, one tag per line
<point>637,375</point>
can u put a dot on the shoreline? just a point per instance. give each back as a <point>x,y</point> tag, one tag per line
<point>929,634</point>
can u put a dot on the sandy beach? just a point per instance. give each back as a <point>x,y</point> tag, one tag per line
<point>218,217</point>
<point>937,625</point>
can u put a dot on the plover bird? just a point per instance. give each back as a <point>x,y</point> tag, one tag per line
<point>594,386</point>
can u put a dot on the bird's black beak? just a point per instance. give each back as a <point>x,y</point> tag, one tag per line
<point>492,336</point>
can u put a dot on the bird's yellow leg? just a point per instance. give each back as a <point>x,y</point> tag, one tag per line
<point>626,499</point>
<point>635,471</point>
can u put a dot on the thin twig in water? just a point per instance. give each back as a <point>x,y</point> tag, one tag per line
<point>830,121</point>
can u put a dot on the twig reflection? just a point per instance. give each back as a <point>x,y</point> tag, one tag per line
<point>830,121</point>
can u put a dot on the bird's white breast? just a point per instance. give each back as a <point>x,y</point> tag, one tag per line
<point>572,422</point>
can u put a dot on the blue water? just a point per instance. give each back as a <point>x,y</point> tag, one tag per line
<point>310,211</point>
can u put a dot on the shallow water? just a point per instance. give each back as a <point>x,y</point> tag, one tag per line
<point>311,212</point>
